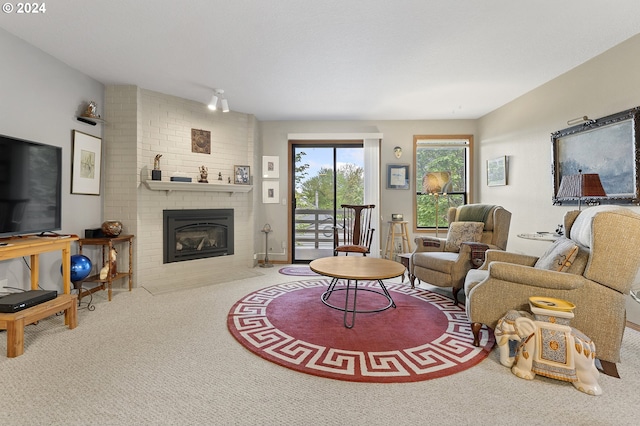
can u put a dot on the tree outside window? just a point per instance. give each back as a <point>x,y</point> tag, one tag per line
<point>442,171</point>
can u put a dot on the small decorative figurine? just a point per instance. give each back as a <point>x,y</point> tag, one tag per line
<point>111,267</point>
<point>156,173</point>
<point>204,172</point>
<point>91,110</point>
<point>219,175</point>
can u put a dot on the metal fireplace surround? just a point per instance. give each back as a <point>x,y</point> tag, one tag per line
<point>197,234</point>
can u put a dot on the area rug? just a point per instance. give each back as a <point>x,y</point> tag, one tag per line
<point>301,271</point>
<point>425,337</point>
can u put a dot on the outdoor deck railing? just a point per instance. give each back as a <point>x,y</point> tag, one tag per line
<point>314,227</point>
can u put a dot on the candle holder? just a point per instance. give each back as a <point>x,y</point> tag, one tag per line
<point>266,229</point>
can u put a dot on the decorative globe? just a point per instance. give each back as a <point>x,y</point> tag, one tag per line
<point>80,267</point>
<point>111,228</point>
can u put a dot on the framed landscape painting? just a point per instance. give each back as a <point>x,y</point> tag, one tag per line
<point>497,171</point>
<point>607,146</point>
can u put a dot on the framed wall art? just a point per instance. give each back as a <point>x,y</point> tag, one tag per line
<point>497,171</point>
<point>607,146</point>
<point>201,141</point>
<point>397,176</point>
<point>87,159</point>
<point>270,167</point>
<point>270,193</point>
<point>241,175</point>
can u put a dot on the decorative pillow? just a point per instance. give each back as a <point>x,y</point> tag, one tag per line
<point>559,256</point>
<point>460,232</point>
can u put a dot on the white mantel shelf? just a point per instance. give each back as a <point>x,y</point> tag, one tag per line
<point>159,185</point>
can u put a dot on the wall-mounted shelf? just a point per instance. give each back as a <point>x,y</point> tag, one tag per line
<point>92,121</point>
<point>159,185</point>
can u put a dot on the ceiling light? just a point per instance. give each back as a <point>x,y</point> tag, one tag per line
<point>213,102</point>
<point>218,94</point>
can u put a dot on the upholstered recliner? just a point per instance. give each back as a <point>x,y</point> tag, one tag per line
<point>594,268</point>
<point>473,228</point>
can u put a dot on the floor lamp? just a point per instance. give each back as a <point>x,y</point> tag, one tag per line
<point>580,186</point>
<point>433,183</point>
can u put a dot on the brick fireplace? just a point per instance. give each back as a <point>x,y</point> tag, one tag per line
<point>142,124</point>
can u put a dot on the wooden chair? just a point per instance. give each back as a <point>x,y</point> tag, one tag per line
<point>356,230</point>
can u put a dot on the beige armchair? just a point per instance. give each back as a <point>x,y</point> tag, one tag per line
<point>605,241</point>
<point>444,262</point>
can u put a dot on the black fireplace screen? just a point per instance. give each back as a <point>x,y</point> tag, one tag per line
<point>197,234</point>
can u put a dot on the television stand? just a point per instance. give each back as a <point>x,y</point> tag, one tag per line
<point>33,246</point>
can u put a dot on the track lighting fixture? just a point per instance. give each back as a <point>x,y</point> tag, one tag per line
<point>218,94</point>
<point>225,105</point>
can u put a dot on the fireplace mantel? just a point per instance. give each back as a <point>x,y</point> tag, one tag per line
<point>158,185</point>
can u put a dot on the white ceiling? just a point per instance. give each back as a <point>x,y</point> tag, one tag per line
<point>331,59</point>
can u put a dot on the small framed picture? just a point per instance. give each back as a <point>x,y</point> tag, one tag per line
<point>87,158</point>
<point>270,167</point>
<point>397,176</point>
<point>497,171</point>
<point>241,175</point>
<point>270,193</point>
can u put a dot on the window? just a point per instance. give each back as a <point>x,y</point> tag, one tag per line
<point>442,177</point>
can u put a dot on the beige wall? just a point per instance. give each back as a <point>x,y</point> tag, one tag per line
<point>395,133</point>
<point>522,130</point>
<point>39,99</point>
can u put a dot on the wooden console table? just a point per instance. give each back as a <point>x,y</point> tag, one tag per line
<point>107,243</point>
<point>33,246</point>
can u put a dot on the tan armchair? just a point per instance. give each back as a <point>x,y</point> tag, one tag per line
<point>444,262</point>
<point>596,281</point>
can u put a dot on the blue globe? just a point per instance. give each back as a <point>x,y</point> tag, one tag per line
<point>80,267</point>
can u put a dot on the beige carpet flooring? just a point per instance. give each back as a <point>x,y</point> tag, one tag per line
<point>219,277</point>
<point>168,359</point>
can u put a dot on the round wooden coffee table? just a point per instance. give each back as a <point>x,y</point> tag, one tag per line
<point>353,268</point>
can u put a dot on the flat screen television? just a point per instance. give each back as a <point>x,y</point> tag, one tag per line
<point>30,187</point>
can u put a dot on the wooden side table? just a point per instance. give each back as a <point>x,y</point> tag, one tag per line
<point>405,258</point>
<point>540,236</point>
<point>107,243</point>
<point>391,238</point>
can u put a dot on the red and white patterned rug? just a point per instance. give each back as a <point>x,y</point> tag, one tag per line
<point>425,337</point>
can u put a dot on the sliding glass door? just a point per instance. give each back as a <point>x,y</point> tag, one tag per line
<point>324,176</point>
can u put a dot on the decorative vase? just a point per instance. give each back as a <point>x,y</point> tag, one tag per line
<point>111,228</point>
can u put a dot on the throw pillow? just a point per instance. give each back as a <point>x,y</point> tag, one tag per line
<point>559,256</point>
<point>460,232</point>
